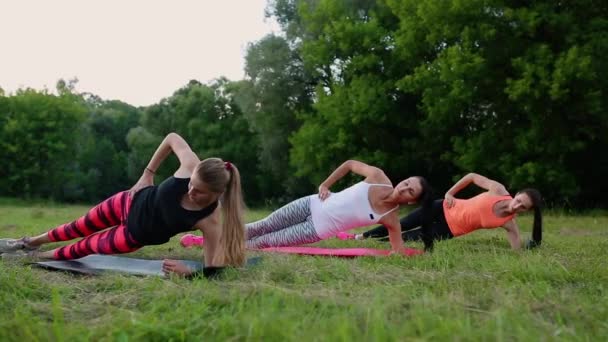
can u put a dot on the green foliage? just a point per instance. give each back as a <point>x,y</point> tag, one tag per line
<point>514,86</point>
<point>360,112</point>
<point>276,90</point>
<point>103,152</point>
<point>68,147</point>
<point>35,145</point>
<point>208,117</point>
<point>509,89</point>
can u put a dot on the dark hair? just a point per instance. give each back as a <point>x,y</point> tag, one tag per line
<point>537,227</point>
<point>426,200</point>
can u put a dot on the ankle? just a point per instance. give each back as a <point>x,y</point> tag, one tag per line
<point>30,242</point>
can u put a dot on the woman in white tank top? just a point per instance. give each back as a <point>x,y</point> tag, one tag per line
<point>323,215</point>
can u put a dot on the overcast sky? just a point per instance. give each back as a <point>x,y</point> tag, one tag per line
<point>137,51</point>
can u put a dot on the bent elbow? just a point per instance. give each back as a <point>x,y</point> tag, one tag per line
<point>349,163</point>
<point>472,175</point>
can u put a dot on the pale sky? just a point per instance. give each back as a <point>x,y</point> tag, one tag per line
<point>136,51</point>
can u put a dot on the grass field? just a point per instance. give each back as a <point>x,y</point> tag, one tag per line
<point>471,288</point>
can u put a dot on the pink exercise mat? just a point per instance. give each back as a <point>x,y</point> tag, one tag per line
<point>190,240</point>
<point>337,252</point>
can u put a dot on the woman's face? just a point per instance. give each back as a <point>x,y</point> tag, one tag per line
<point>409,190</point>
<point>520,203</point>
<point>199,192</point>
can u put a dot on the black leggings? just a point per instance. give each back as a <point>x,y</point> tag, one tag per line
<point>411,226</point>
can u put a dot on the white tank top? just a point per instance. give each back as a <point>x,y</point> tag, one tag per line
<point>344,210</point>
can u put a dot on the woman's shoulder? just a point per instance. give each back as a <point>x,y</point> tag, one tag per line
<point>491,193</point>
<point>377,191</point>
<point>179,179</point>
<point>383,184</point>
<point>173,183</point>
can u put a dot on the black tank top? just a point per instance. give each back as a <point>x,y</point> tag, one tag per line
<point>156,214</point>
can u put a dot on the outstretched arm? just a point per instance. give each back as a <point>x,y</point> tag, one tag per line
<point>479,180</point>
<point>172,143</point>
<point>394,232</point>
<point>372,174</point>
<point>211,229</point>
<point>513,234</point>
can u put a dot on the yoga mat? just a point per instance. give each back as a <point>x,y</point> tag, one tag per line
<point>337,252</point>
<point>96,264</point>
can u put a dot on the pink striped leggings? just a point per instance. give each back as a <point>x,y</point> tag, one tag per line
<point>111,213</point>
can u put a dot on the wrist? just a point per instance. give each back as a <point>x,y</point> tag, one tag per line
<point>192,274</point>
<point>149,171</point>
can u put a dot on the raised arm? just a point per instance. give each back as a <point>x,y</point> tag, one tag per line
<point>172,143</point>
<point>176,144</point>
<point>483,182</point>
<point>372,174</point>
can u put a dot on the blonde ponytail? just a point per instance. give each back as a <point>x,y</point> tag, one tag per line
<point>233,226</point>
<point>224,177</point>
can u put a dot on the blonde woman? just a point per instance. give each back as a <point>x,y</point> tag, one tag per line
<point>149,214</point>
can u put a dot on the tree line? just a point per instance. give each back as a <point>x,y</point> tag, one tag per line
<point>513,90</point>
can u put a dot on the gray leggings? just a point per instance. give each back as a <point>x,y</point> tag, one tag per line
<point>291,225</point>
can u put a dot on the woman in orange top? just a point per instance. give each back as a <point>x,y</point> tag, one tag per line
<point>452,217</point>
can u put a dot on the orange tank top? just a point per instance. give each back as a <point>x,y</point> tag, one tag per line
<point>474,213</point>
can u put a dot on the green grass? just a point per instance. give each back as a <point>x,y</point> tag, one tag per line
<point>471,288</point>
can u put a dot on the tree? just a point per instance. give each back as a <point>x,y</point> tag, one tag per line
<point>276,90</point>
<point>359,112</point>
<point>37,143</point>
<point>103,151</point>
<point>520,83</point>
<point>208,117</point>
<point>507,89</point>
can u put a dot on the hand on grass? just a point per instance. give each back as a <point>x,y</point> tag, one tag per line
<point>530,244</point>
<point>175,267</point>
<point>400,251</point>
